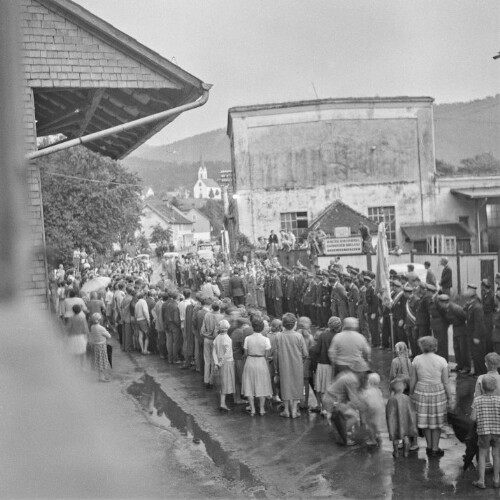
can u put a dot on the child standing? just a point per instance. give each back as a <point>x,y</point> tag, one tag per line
<point>97,338</point>
<point>401,367</point>
<point>401,418</point>
<point>486,413</point>
<point>373,414</point>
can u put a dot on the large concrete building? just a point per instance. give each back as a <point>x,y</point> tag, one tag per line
<point>85,76</point>
<point>376,155</point>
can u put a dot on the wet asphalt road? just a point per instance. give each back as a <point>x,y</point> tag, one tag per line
<point>273,457</point>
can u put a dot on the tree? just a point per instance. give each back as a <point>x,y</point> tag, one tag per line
<point>89,201</point>
<point>142,243</point>
<point>214,211</point>
<point>162,237</point>
<point>211,194</point>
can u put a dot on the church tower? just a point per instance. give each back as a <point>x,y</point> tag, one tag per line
<point>202,171</point>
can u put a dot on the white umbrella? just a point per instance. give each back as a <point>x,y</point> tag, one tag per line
<point>96,284</point>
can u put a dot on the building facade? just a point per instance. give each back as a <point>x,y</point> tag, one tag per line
<point>201,225</point>
<point>292,160</point>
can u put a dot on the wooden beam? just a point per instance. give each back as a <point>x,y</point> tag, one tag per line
<point>89,112</point>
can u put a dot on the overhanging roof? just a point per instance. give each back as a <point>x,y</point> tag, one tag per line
<point>419,233</point>
<point>77,111</point>
<point>478,193</point>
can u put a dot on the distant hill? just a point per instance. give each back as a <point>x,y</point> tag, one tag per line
<point>212,146</point>
<point>461,130</point>
<point>465,130</point>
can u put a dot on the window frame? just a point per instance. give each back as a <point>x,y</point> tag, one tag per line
<point>378,215</point>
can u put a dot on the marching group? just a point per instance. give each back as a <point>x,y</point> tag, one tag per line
<point>251,335</point>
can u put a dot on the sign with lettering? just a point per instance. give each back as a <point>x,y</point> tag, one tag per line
<point>341,232</point>
<point>343,246</point>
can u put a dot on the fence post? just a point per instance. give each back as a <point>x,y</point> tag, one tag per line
<point>412,255</point>
<point>369,261</point>
<point>459,285</point>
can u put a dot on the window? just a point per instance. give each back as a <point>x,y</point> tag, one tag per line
<point>464,219</point>
<point>387,215</point>
<point>296,222</point>
<point>493,215</point>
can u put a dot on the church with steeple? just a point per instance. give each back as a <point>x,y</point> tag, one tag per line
<point>206,188</point>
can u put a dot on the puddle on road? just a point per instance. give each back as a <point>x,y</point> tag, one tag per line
<point>165,413</point>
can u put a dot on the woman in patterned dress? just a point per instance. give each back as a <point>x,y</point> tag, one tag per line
<point>431,391</point>
<point>256,380</point>
<point>97,339</point>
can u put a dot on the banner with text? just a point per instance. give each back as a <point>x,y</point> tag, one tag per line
<point>343,246</point>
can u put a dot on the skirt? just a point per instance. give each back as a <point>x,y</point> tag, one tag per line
<point>77,344</point>
<point>101,362</point>
<point>430,404</point>
<point>323,377</point>
<point>256,381</point>
<point>226,371</point>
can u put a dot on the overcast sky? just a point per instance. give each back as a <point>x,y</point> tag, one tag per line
<point>256,51</point>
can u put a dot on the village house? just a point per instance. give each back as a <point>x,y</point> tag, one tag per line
<point>167,216</point>
<point>201,225</point>
<point>85,76</point>
<point>292,160</point>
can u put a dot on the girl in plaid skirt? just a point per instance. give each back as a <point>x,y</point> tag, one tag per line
<point>97,339</point>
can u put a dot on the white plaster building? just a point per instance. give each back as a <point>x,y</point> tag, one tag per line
<point>206,188</point>
<point>292,160</point>
<point>168,216</point>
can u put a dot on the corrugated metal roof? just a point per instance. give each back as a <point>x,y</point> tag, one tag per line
<point>418,233</point>
<point>480,192</point>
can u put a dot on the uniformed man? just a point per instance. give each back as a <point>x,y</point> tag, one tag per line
<point>317,300</point>
<point>372,311</point>
<point>362,307</point>
<point>489,307</point>
<point>422,318</point>
<point>326,300</point>
<point>283,275</point>
<point>409,324</point>
<point>309,296</point>
<point>456,316</point>
<point>276,293</point>
<point>398,312</point>
<point>352,295</point>
<point>340,306</point>
<point>267,294</point>
<point>290,293</point>
<point>475,329</point>
<point>439,322</point>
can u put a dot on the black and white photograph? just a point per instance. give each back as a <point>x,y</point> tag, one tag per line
<point>250,249</point>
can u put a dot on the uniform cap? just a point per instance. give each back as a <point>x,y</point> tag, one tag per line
<point>408,288</point>
<point>472,287</point>
<point>486,283</point>
<point>397,283</point>
<point>443,297</point>
<point>367,278</point>
<point>431,287</point>
<point>423,285</point>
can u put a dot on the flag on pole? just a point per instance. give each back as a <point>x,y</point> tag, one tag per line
<point>382,276</point>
